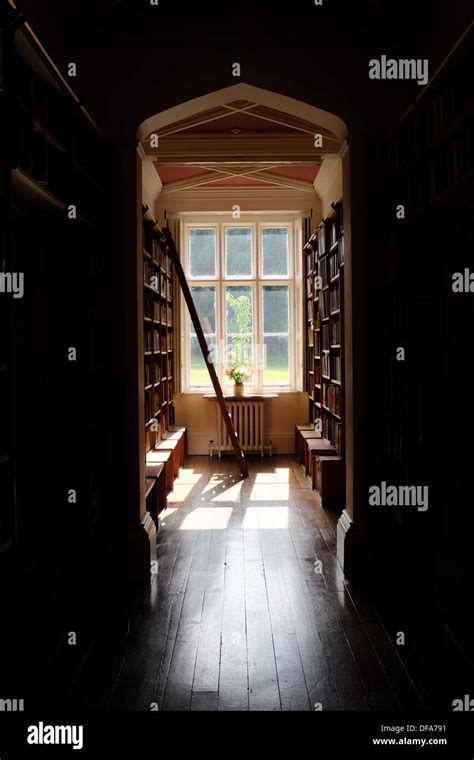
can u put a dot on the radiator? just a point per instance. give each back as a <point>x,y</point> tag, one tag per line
<point>247,418</point>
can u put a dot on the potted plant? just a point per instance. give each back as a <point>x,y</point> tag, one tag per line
<point>239,375</point>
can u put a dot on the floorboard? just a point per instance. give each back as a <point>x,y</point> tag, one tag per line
<point>249,609</point>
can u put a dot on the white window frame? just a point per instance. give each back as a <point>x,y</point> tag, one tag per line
<point>186,337</point>
<point>257,282</point>
<point>252,284</point>
<point>290,275</point>
<point>188,254</point>
<point>291,362</point>
<point>245,225</point>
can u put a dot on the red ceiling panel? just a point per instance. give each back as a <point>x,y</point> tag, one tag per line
<point>174,173</point>
<point>243,121</point>
<point>304,173</point>
<point>238,181</point>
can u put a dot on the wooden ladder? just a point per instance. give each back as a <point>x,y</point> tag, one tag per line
<point>173,253</point>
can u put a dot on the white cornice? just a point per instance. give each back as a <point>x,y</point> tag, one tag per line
<point>240,147</point>
<point>294,214</point>
<point>327,174</point>
<point>151,184</point>
<point>237,195</point>
<point>211,201</point>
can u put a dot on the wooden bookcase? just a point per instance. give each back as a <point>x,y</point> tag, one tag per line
<point>7,492</point>
<point>51,158</point>
<point>430,153</point>
<point>324,253</point>
<point>430,172</point>
<point>430,168</point>
<point>158,335</point>
<point>324,266</point>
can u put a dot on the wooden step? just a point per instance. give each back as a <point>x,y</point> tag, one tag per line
<point>315,447</point>
<point>156,489</point>
<point>173,446</point>
<point>179,437</point>
<point>303,436</point>
<point>329,480</point>
<point>166,458</point>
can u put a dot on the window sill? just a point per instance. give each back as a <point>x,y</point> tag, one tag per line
<point>246,397</point>
<point>249,392</point>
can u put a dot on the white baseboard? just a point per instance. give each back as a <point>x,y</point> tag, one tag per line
<point>198,440</point>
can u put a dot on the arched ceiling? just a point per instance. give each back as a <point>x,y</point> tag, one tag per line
<point>242,144</point>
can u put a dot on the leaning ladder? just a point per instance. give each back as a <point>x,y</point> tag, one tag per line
<point>169,243</point>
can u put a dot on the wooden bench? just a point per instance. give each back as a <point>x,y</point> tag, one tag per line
<point>151,497</point>
<point>164,458</point>
<point>157,496</point>
<point>184,430</point>
<point>173,445</point>
<point>181,448</point>
<point>316,447</point>
<point>303,436</point>
<point>329,481</point>
<point>298,429</point>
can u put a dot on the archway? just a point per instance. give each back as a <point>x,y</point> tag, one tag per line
<point>243,91</point>
<point>335,161</point>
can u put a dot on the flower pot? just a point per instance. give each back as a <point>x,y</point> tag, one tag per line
<point>239,389</point>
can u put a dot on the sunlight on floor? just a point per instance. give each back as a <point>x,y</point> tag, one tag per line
<point>217,482</point>
<point>279,475</point>
<point>253,518</point>
<point>284,475</point>
<point>187,476</point>
<point>231,493</point>
<point>264,477</point>
<point>180,492</point>
<point>252,498</point>
<point>207,518</point>
<point>264,492</point>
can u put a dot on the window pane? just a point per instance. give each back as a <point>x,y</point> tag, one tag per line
<point>202,252</point>
<point>276,360</point>
<point>239,321</point>
<point>205,301</point>
<point>238,248</point>
<point>198,374</point>
<point>275,251</point>
<point>240,353</point>
<point>275,309</point>
<point>239,302</point>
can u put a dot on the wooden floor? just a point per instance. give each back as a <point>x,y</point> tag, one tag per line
<point>238,616</point>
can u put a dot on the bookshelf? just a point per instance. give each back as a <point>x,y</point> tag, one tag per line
<point>158,334</point>
<point>7,500</point>
<point>430,168</point>
<point>430,153</point>
<point>324,266</point>
<point>51,159</point>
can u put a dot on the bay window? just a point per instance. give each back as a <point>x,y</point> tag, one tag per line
<point>241,278</point>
